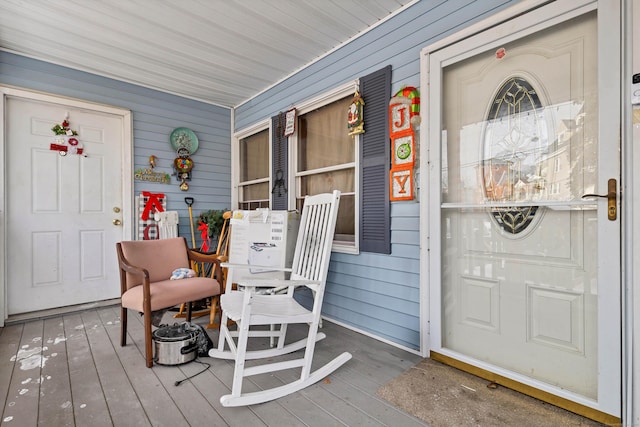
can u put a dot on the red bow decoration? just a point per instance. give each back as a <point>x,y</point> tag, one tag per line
<point>204,228</point>
<point>153,204</point>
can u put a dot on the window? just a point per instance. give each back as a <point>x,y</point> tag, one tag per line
<point>326,161</point>
<point>274,171</point>
<point>253,185</point>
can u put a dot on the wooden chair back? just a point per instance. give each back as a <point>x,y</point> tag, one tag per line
<point>160,258</point>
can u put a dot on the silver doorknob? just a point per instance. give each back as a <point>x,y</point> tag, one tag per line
<point>117,222</point>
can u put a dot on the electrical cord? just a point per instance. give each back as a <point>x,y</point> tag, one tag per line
<point>177,383</point>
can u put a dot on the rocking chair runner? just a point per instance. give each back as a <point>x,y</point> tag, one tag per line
<point>249,308</point>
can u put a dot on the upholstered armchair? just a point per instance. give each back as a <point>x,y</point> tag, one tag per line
<point>146,267</point>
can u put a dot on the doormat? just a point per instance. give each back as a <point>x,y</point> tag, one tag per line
<point>443,396</point>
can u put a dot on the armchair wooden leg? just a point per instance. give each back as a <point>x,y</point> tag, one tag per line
<point>189,307</point>
<point>123,326</point>
<point>148,340</point>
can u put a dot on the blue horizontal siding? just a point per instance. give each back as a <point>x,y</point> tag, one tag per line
<point>371,292</point>
<point>375,293</point>
<point>369,279</point>
<point>155,115</point>
<point>397,41</point>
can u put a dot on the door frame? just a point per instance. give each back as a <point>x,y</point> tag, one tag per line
<point>126,170</point>
<point>429,170</point>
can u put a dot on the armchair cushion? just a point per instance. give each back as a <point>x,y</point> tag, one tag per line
<point>167,293</point>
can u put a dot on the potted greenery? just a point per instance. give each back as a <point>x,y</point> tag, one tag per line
<point>210,224</point>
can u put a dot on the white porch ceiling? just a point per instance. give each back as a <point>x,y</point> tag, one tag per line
<point>218,51</point>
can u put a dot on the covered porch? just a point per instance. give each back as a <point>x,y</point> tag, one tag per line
<point>67,368</point>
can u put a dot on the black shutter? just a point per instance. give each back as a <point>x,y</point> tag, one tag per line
<point>375,221</point>
<point>279,169</point>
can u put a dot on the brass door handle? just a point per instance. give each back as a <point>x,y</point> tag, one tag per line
<point>612,199</point>
<point>117,222</point>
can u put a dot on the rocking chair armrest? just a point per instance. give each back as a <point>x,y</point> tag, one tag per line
<point>276,283</point>
<point>247,266</point>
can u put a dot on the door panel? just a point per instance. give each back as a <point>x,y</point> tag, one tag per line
<point>61,208</point>
<point>517,285</point>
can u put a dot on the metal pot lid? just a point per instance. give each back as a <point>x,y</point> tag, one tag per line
<point>176,332</point>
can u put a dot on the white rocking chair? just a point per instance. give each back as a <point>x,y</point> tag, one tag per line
<point>250,307</point>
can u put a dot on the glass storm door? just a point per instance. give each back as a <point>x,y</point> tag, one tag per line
<point>524,273</point>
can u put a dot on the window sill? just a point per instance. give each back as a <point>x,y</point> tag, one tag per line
<point>345,248</point>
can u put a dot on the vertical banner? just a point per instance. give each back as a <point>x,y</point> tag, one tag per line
<point>404,117</point>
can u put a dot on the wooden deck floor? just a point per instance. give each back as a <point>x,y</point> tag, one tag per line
<point>70,370</point>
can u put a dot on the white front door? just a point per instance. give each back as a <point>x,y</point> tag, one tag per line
<point>524,270</point>
<point>60,234</point>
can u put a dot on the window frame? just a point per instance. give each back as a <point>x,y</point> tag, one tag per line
<point>236,184</point>
<point>337,93</point>
<point>342,91</point>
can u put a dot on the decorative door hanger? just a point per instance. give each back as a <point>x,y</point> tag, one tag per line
<point>66,139</point>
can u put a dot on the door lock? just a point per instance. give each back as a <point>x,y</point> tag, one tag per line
<point>612,199</point>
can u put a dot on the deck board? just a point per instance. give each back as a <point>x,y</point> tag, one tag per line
<point>24,389</point>
<point>9,344</point>
<point>124,407</point>
<point>152,393</point>
<point>79,375</point>
<point>88,398</point>
<point>55,389</point>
